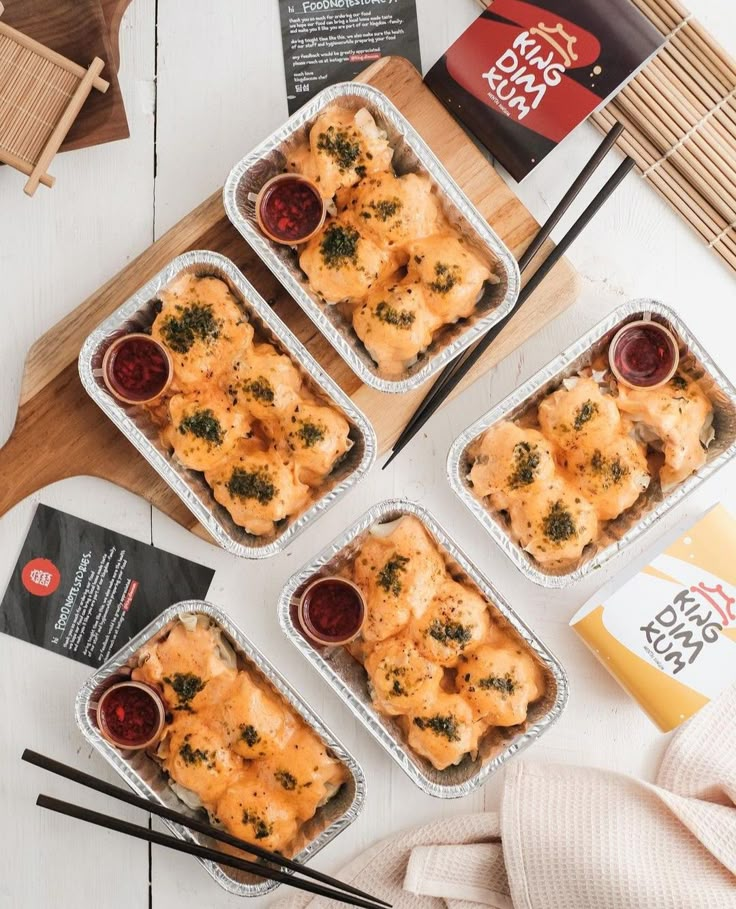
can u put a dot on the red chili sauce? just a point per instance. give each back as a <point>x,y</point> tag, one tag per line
<point>644,356</point>
<point>130,715</point>
<point>291,209</point>
<point>138,369</point>
<point>332,611</point>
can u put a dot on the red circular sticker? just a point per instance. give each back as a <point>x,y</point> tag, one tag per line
<point>40,577</point>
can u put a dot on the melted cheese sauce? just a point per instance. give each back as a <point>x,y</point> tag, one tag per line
<point>236,744</point>
<point>586,465</point>
<point>240,411</point>
<point>389,254</point>
<point>424,632</point>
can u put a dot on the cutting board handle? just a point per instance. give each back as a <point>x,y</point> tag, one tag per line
<point>24,466</point>
<point>60,433</point>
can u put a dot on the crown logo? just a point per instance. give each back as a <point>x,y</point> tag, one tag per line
<point>563,43</point>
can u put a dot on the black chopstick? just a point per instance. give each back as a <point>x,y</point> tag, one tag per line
<point>536,244</point>
<point>543,234</point>
<point>459,369</point>
<point>123,795</point>
<point>202,852</point>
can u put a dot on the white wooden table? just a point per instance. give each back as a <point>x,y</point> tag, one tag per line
<point>202,86</point>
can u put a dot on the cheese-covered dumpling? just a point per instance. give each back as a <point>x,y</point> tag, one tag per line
<point>392,210</point>
<point>402,679</point>
<point>398,575</point>
<point>344,147</point>
<point>316,437</point>
<point>185,665</point>
<point>611,476</point>
<point>257,813</point>
<point>343,263</point>
<point>257,487</point>
<point>263,382</point>
<point>203,328</point>
<point>395,325</point>
<point>305,772</point>
<point>251,719</point>
<point>680,413</point>
<point>199,759</point>
<point>456,618</point>
<point>451,273</point>
<point>204,428</point>
<point>554,524</point>
<point>446,733</point>
<point>510,461</point>
<point>499,683</point>
<point>581,413</point>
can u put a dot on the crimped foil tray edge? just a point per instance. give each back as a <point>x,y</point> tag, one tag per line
<point>554,370</point>
<point>295,349</point>
<point>502,254</point>
<point>389,509</point>
<point>254,656</point>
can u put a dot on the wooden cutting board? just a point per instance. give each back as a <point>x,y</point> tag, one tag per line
<point>60,433</point>
<point>80,30</point>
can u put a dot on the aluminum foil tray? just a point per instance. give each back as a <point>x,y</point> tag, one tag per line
<point>411,154</point>
<point>147,779</point>
<point>138,314</point>
<point>650,506</point>
<point>348,678</point>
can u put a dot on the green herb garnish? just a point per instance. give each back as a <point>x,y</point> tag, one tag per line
<point>338,145</point>
<point>397,689</point>
<point>504,685</point>
<point>287,780</point>
<point>186,685</point>
<point>252,484</point>
<point>249,734</point>
<point>261,829</point>
<point>399,318</point>
<point>339,245</point>
<point>260,388</point>
<point>440,725</point>
<point>192,323</point>
<point>526,461</point>
<point>558,524</point>
<point>450,632</point>
<point>611,469</point>
<point>389,576</point>
<point>446,277</point>
<point>191,755</point>
<point>204,425</point>
<point>386,208</point>
<point>310,433</point>
<point>585,413</point>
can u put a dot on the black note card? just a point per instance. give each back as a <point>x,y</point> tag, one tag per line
<point>83,591</point>
<point>328,41</point>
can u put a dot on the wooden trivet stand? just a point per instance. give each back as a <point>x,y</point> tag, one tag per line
<point>41,94</point>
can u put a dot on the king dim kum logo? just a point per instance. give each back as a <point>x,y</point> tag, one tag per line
<point>536,62</point>
<point>40,577</point>
<point>696,616</point>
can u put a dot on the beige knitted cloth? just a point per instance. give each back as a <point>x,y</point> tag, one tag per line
<point>578,838</point>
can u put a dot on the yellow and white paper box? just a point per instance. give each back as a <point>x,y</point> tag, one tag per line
<point>668,635</point>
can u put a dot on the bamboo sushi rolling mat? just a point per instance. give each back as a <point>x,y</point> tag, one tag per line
<point>680,119</point>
